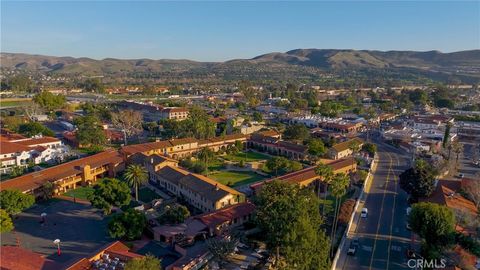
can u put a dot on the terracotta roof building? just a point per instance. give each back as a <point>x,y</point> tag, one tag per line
<point>69,175</point>
<point>199,191</point>
<point>113,256</point>
<point>308,176</point>
<point>17,258</point>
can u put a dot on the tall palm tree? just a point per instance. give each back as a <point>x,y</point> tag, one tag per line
<point>354,145</point>
<point>136,175</point>
<point>326,173</point>
<point>338,186</point>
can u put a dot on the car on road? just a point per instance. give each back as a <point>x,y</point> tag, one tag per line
<point>408,226</point>
<point>352,249</point>
<point>409,209</point>
<point>364,213</point>
<point>461,175</point>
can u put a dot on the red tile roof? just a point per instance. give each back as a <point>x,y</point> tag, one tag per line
<point>37,179</point>
<point>226,214</point>
<point>17,258</point>
<point>10,147</point>
<point>446,193</point>
<point>37,141</point>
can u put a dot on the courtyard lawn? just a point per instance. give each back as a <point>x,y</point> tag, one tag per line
<point>147,195</point>
<point>235,178</point>
<point>79,193</point>
<point>251,156</point>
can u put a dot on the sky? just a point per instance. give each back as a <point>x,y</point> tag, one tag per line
<point>218,31</point>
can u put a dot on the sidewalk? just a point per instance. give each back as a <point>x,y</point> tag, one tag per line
<point>341,255</point>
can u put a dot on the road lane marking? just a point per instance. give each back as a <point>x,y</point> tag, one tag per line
<point>381,211</point>
<point>393,210</point>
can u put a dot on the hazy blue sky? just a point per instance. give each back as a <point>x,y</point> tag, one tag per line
<point>213,31</point>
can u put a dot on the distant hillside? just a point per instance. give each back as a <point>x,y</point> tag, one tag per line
<point>299,62</point>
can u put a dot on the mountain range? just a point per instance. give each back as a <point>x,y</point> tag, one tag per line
<point>463,63</point>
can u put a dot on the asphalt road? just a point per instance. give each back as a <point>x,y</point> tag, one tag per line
<point>383,236</point>
<point>469,154</point>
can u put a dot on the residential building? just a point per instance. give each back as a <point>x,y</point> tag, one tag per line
<point>270,142</point>
<point>308,176</point>
<point>197,190</point>
<point>341,150</point>
<point>66,176</point>
<point>16,150</point>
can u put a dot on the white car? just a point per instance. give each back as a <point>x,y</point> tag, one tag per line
<point>364,213</point>
<point>409,209</point>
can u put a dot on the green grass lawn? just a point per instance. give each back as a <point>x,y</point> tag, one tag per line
<point>79,193</point>
<point>251,156</point>
<point>147,195</point>
<point>235,178</point>
<point>13,103</point>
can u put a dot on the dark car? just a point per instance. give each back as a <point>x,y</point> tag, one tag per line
<point>352,249</point>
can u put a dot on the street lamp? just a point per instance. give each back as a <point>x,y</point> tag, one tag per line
<point>43,216</point>
<point>57,242</point>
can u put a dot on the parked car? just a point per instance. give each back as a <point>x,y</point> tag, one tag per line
<point>409,209</point>
<point>461,175</point>
<point>364,213</point>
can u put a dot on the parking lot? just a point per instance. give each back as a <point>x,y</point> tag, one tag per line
<point>80,228</point>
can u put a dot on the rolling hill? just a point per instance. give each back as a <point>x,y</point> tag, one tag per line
<point>300,61</point>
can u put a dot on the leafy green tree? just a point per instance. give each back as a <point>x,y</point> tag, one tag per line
<point>34,128</point>
<point>316,147</point>
<point>14,201</point>
<point>89,131</point>
<point>174,215</point>
<point>21,83</point>
<point>297,132</point>
<point>277,163</point>
<point>294,166</point>
<point>128,225</point>
<point>446,136</point>
<point>17,171</point>
<point>291,221</point>
<point>331,108</point>
<point>257,116</point>
<point>419,97</point>
<point>48,190</point>
<point>49,101</point>
<point>370,148</point>
<point>6,223</point>
<point>93,85</point>
<point>149,262</point>
<point>221,248</point>
<point>136,175</point>
<point>12,122</point>
<point>108,193</point>
<point>419,181</point>
<point>198,124</point>
<point>435,224</point>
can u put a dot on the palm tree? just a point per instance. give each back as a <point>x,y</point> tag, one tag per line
<point>354,145</point>
<point>326,173</point>
<point>136,175</point>
<point>338,186</point>
<point>457,148</point>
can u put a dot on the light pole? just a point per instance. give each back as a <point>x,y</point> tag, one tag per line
<point>43,216</point>
<point>57,242</point>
